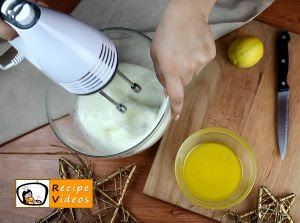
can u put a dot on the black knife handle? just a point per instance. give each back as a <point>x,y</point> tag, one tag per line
<point>283,60</point>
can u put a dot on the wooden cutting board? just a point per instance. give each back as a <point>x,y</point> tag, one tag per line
<point>243,100</point>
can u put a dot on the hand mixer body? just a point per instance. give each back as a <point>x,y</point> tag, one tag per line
<point>71,53</point>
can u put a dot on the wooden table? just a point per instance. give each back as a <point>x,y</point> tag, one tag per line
<point>43,148</point>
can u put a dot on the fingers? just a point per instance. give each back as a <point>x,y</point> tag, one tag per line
<point>6,32</point>
<point>175,90</point>
<point>173,87</point>
<point>158,71</point>
<point>160,75</point>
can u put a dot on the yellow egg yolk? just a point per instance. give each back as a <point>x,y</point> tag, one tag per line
<point>212,171</point>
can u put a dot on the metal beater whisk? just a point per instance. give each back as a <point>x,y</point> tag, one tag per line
<point>134,86</point>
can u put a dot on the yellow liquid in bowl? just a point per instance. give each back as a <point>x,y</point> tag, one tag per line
<point>212,171</point>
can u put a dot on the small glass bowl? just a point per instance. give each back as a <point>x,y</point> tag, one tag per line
<point>241,149</point>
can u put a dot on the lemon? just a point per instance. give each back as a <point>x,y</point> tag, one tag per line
<point>246,51</point>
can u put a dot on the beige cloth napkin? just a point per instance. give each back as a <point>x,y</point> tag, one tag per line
<point>22,88</point>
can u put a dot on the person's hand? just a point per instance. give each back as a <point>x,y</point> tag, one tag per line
<point>183,44</point>
<point>8,33</point>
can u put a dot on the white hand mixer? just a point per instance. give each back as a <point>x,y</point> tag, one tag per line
<point>71,53</point>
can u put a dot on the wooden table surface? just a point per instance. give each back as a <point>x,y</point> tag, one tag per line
<point>42,143</point>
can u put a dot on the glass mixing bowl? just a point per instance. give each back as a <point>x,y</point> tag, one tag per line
<point>62,107</point>
<point>240,148</point>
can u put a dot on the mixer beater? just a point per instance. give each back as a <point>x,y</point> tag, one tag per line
<point>134,86</point>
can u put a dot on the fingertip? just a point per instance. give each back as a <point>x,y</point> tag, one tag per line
<point>176,110</point>
<point>176,106</point>
<point>41,3</point>
<point>175,91</point>
<point>6,32</point>
<point>9,35</point>
<point>176,117</point>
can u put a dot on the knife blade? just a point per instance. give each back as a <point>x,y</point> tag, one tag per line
<point>283,92</point>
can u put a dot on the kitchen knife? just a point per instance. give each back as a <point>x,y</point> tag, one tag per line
<point>283,92</point>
